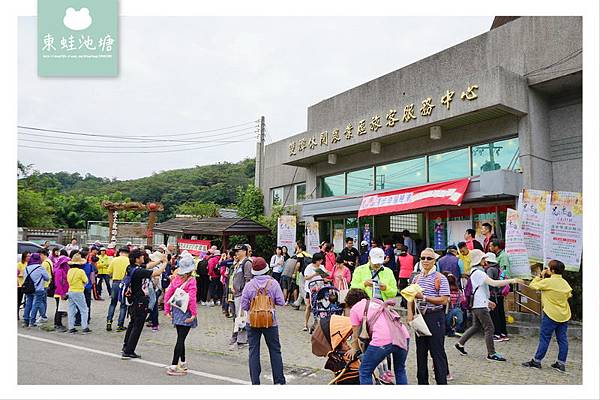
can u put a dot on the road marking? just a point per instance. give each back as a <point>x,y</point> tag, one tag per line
<point>138,360</point>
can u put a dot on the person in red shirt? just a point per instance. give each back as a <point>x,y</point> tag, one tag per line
<point>472,243</point>
<point>487,231</point>
<point>405,263</point>
<point>215,289</point>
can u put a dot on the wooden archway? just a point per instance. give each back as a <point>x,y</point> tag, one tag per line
<point>113,208</point>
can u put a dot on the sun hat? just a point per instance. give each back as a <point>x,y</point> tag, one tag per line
<point>102,248</point>
<point>240,247</point>
<point>411,291</point>
<point>216,252</point>
<point>259,266</point>
<point>156,256</point>
<point>476,257</point>
<point>77,260</point>
<point>491,258</point>
<point>186,265</point>
<point>377,255</point>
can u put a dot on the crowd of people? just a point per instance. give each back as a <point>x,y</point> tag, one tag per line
<point>455,294</point>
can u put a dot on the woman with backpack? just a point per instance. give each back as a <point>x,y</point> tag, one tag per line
<point>259,298</point>
<point>20,279</point>
<point>454,314</point>
<point>184,316</point>
<point>387,336</point>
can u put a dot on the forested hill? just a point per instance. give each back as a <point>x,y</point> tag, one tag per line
<point>66,199</point>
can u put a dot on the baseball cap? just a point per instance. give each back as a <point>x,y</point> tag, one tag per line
<point>377,255</point>
<point>240,247</point>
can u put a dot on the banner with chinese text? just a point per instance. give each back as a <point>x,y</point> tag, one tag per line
<point>515,247</point>
<point>312,237</point>
<point>194,247</point>
<point>286,231</point>
<point>438,194</point>
<point>532,211</point>
<point>564,229</point>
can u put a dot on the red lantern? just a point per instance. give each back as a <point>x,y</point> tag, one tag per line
<point>152,206</point>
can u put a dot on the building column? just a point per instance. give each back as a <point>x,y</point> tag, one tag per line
<point>534,144</point>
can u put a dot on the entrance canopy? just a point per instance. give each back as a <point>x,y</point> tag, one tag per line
<point>449,193</point>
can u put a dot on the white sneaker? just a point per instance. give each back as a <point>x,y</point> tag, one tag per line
<point>203,303</point>
<point>211,304</point>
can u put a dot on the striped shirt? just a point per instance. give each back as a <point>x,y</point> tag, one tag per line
<point>429,289</point>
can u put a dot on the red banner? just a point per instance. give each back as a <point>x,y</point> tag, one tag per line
<point>194,247</point>
<point>448,193</point>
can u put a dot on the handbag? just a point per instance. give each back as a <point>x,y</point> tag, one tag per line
<point>363,337</point>
<point>180,298</point>
<point>343,291</point>
<point>418,324</point>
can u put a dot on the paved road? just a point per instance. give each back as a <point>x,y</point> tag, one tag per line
<point>208,354</point>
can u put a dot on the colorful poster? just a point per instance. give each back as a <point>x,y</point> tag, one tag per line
<point>312,237</point>
<point>515,247</point>
<point>439,234</point>
<point>532,210</point>
<point>338,240</point>
<point>564,229</point>
<point>286,231</point>
<point>353,233</point>
<point>366,236</point>
<point>194,247</point>
<point>456,231</point>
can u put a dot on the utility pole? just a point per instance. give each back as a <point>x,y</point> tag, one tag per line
<point>259,168</point>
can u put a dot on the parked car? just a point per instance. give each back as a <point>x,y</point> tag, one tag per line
<point>23,246</point>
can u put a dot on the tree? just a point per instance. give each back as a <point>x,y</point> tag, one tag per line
<point>33,212</point>
<point>198,209</point>
<point>250,202</point>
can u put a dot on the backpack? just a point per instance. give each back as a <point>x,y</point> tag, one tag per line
<point>28,285</point>
<point>202,268</point>
<point>469,293</point>
<point>261,309</point>
<point>164,278</point>
<point>125,292</point>
<point>304,262</point>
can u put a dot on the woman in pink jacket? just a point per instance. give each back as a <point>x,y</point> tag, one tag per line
<point>60,270</point>
<point>184,317</point>
<point>340,276</point>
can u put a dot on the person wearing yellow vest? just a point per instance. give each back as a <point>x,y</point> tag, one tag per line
<point>102,264</point>
<point>556,293</point>
<point>77,280</point>
<point>116,269</point>
<point>465,256</point>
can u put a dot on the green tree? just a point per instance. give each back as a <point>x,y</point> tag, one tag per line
<point>198,209</point>
<point>32,210</point>
<point>250,202</point>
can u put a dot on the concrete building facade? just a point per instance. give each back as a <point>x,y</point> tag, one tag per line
<point>502,109</point>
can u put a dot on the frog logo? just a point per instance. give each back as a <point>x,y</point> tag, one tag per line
<point>77,20</point>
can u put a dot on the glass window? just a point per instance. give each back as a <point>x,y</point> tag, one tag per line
<point>276,196</point>
<point>401,174</point>
<point>300,192</point>
<point>496,155</point>
<point>360,181</point>
<point>450,165</point>
<point>333,186</point>
<point>399,223</point>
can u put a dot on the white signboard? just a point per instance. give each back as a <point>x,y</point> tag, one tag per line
<point>456,231</point>
<point>312,237</point>
<point>564,229</point>
<point>515,247</point>
<point>532,211</point>
<point>286,231</point>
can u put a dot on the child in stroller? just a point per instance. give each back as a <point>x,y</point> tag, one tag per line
<point>324,301</point>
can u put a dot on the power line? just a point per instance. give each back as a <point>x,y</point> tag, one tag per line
<point>87,141</point>
<point>137,146</point>
<point>125,152</point>
<point>139,136</point>
<point>131,138</point>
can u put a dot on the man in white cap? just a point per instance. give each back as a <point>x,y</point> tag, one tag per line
<point>375,279</point>
<point>480,283</point>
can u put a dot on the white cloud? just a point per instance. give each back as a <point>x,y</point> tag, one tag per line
<point>77,20</point>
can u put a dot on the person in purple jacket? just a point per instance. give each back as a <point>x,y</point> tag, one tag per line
<point>261,280</point>
<point>60,270</point>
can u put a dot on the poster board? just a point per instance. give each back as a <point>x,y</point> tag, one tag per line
<point>312,237</point>
<point>532,211</point>
<point>515,246</point>
<point>456,231</point>
<point>353,233</point>
<point>286,231</point>
<point>194,247</point>
<point>564,229</point>
<point>338,239</point>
